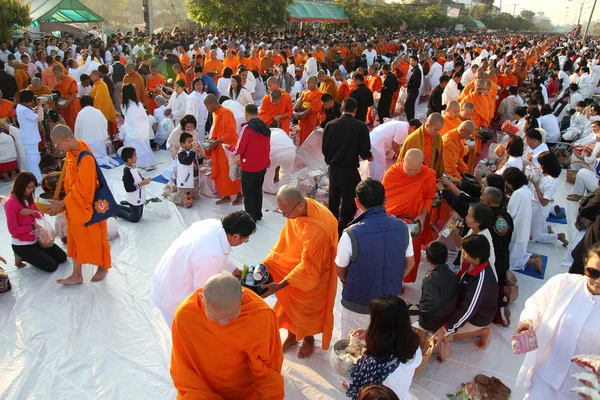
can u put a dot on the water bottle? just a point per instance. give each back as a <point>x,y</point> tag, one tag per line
<point>250,277</point>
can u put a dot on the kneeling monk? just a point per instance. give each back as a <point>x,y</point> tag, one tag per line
<point>226,344</point>
<point>410,190</point>
<point>85,244</point>
<point>303,270</point>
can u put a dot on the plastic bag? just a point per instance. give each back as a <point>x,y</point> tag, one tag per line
<point>112,229</point>
<point>60,225</point>
<point>235,171</point>
<point>162,209</point>
<point>45,234</point>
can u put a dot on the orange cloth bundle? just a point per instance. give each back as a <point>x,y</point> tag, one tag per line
<point>508,128</point>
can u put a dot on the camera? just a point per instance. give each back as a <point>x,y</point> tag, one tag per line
<point>50,98</point>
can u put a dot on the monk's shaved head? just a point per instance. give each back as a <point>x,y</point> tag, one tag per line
<point>130,67</point>
<point>290,202</point>
<point>211,102</point>
<point>434,124</point>
<point>466,129</point>
<point>289,194</point>
<point>222,295</point>
<point>435,118</point>
<point>62,137</point>
<point>62,132</point>
<point>492,196</point>
<point>453,109</point>
<point>272,79</point>
<point>413,162</point>
<point>321,74</point>
<point>311,83</point>
<point>57,68</point>
<point>275,95</point>
<point>468,106</point>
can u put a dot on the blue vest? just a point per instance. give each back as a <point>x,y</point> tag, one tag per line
<point>376,268</point>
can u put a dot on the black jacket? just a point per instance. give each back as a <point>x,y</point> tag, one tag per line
<point>8,85</point>
<point>439,291</point>
<point>390,85</point>
<point>331,114</point>
<point>364,97</point>
<point>477,298</point>
<point>435,101</point>
<point>501,236</point>
<point>414,82</point>
<point>344,139</point>
<point>188,158</point>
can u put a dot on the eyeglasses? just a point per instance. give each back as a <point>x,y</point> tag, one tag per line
<point>30,187</point>
<point>287,215</point>
<point>592,273</point>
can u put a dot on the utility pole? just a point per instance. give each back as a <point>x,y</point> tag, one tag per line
<point>589,22</point>
<point>148,16</point>
<point>514,9</point>
<point>580,12</point>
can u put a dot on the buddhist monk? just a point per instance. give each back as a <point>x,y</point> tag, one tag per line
<point>39,89</point>
<point>410,188</point>
<point>452,117</point>
<point>184,58</point>
<point>224,132</point>
<point>454,149</point>
<point>374,83</point>
<point>136,80</point>
<point>482,115</point>
<point>231,60</point>
<point>153,80</point>
<point>68,91</point>
<point>303,270</point>
<point>85,244</point>
<point>276,109</point>
<point>308,108</point>
<point>214,66</point>
<point>226,344</point>
<point>21,77</point>
<point>427,139</point>
<point>179,74</point>
<point>103,102</point>
<point>327,84</point>
<point>343,90</point>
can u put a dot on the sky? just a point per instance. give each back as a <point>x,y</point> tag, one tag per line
<point>556,12</point>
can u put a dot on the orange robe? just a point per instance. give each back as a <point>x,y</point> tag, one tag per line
<point>184,60</point>
<point>481,117</point>
<point>433,149</point>
<point>151,84</point>
<point>48,78</point>
<point>351,86</point>
<point>225,129</point>
<point>85,244</point>
<point>329,86</point>
<point>67,88</point>
<point>343,91</point>
<point>240,360</point>
<point>254,64</point>
<point>23,79</point>
<point>408,196</point>
<point>266,64</point>
<point>103,102</point>
<point>269,110</point>
<point>140,88</point>
<point>449,124</point>
<point>7,109</point>
<point>454,154</point>
<point>304,256</point>
<point>215,66</point>
<point>312,99</point>
<point>232,63</point>
<point>374,84</point>
<point>319,56</point>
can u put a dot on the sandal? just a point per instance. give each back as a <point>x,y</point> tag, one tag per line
<point>499,391</point>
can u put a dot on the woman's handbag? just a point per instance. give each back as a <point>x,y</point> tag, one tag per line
<point>104,205</point>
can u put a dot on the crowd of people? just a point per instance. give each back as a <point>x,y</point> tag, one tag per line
<point>240,107</point>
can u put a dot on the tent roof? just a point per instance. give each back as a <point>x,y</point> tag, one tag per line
<point>475,23</point>
<point>66,11</point>
<point>310,11</point>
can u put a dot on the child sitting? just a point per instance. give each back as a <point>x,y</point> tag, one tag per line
<point>188,170</point>
<point>439,289</point>
<point>132,208</point>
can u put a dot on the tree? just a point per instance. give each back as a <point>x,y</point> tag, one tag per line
<point>243,15</point>
<point>527,14</point>
<point>13,14</point>
<point>434,18</point>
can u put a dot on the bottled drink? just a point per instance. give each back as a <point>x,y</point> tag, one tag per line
<point>259,272</point>
<point>250,277</point>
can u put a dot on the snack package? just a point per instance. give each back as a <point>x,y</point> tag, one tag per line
<point>588,379</point>
<point>524,342</point>
<point>586,393</point>
<point>589,363</point>
<point>45,234</point>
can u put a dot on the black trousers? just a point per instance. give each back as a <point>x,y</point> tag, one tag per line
<point>44,259</point>
<point>342,189</point>
<point>409,105</point>
<point>252,183</point>
<point>131,213</point>
<point>383,108</point>
<point>578,254</point>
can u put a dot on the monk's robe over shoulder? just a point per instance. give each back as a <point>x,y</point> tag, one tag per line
<point>432,148</point>
<point>225,129</point>
<point>268,111</point>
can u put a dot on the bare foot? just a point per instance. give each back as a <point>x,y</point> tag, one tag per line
<point>19,262</point>
<point>307,348</point>
<point>72,280</point>
<point>223,201</point>
<point>238,200</point>
<point>289,341</point>
<point>574,197</point>
<point>563,239</point>
<point>536,263</point>
<point>100,274</point>
<point>64,240</point>
<point>484,338</point>
<point>550,231</point>
<point>535,255</point>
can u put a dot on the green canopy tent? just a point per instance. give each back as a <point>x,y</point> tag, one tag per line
<point>475,24</point>
<point>61,11</point>
<point>309,11</point>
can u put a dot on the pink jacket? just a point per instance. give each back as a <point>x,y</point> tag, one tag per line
<point>20,226</point>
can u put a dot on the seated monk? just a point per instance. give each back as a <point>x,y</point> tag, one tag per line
<point>452,117</point>
<point>454,149</point>
<point>308,108</point>
<point>428,140</point>
<point>153,81</point>
<point>276,109</point>
<point>224,131</point>
<point>327,84</point>
<point>302,264</point>
<point>103,101</point>
<point>137,80</point>
<point>410,188</point>
<point>482,115</point>
<point>85,244</point>
<point>226,344</point>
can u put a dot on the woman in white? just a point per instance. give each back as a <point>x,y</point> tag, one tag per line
<point>196,107</point>
<point>135,131</point>
<point>161,134</point>
<point>178,100</point>
<point>393,353</point>
<point>224,82</point>
<point>535,147</point>
<point>565,315</point>
<point>187,124</point>
<point>543,189</point>
<point>519,207</point>
<point>239,93</point>
<point>514,150</point>
<point>549,123</point>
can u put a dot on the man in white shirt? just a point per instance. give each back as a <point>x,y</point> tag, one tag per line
<point>52,46</point>
<point>28,118</point>
<point>387,138</point>
<point>594,75</point>
<point>435,72</point>
<point>4,52</point>
<point>200,252</point>
<point>506,110</point>
<point>535,146</point>
<point>576,97</point>
<point>282,155</point>
<point>94,32</point>
<point>91,127</point>
<point>449,65</point>
<point>310,68</point>
<point>371,54</point>
<point>469,75</point>
<point>585,84</point>
<point>84,86</point>
<point>451,91</point>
